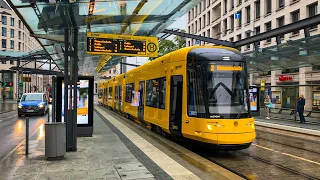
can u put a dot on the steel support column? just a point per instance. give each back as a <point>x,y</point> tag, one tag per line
<point>75,87</point>
<point>66,92</point>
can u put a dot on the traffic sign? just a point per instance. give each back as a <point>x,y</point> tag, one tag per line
<point>197,42</point>
<point>121,45</point>
<point>237,15</point>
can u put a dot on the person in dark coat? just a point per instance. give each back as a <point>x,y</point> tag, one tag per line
<point>300,108</point>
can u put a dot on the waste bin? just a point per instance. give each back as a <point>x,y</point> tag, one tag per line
<point>55,140</point>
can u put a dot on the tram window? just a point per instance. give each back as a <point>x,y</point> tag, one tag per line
<point>129,92</point>
<point>156,93</point>
<point>110,93</point>
<point>116,93</point>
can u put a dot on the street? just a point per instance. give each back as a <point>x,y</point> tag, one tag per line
<point>12,130</point>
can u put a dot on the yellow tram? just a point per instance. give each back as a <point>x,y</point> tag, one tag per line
<point>199,93</point>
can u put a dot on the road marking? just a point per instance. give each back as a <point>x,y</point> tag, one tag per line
<point>286,154</point>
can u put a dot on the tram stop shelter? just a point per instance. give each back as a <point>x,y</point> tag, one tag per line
<point>61,27</point>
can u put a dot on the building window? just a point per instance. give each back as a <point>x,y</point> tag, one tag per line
<point>199,24</point>
<point>200,8</point>
<point>312,11</point>
<point>19,44</point>
<point>129,92</point>
<point>231,4</point>
<point>257,30</point>
<point>208,33</point>
<point>268,6</point>
<point>225,26</point>
<point>4,61</point>
<point>19,35</point>
<point>280,4</point>
<point>204,21</point>
<point>239,2</point>
<point>231,39</point>
<point>156,93</point>
<point>11,21</point>
<point>247,36</point>
<point>11,61</point>
<point>4,20</point>
<point>239,37</point>
<point>248,14</point>
<point>280,22</point>
<point>4,31</point>
<point>204,4</point>
<point>231,23</point>
<point>208,16</point>
<point>11,44</point>
<point>4,43</point>
<point>19,23</point>
<point>225,6</point>
<point>268,28</point>
<point>189,17</point>
<point>11,33</point>
<point>295,16</point>
<point>257,6</point>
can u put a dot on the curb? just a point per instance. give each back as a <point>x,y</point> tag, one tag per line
<point>289,128</point>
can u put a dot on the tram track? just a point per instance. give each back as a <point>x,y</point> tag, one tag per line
<point>278,165</point>
<point>220,160</point>
<point>288,145</point>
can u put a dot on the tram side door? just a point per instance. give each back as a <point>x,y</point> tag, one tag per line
<point>141,103</point>
<point>120,98</point>
<point>116,88</point>
<point>176,87</point>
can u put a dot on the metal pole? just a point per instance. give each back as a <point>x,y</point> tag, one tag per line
<point>66,94</point>
<point>75,87</point>
<point>48,113</point>
<point>53,92</point>
<point>27,135</point>
<point>295,103</point>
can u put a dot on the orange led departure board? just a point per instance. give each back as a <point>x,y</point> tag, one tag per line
<point>122,45</point>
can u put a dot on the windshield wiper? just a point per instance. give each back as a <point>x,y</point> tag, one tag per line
<point>239,114</point>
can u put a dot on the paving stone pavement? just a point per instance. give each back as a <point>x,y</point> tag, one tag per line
<point>103,156</point>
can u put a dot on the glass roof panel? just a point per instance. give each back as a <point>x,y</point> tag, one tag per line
<point>293,54</point>
<point>145,17</point>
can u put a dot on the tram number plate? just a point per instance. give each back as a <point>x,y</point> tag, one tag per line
<point>29,110</point>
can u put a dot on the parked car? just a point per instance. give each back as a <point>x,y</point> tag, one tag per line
<point>33,103</point>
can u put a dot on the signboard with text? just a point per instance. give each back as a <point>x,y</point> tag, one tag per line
<point>121,45</point>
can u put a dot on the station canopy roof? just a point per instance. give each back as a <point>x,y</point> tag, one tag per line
<point>46,19</point>
<point>292,54</point>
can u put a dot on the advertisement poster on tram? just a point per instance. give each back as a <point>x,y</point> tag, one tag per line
<point>82,101</point>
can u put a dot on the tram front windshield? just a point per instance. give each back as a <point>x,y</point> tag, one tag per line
<point>218,89</point>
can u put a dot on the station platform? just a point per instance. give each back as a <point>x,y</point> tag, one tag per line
<point>116,151</point>
<point>288,125</point>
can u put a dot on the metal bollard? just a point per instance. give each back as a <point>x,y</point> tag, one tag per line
<point>48,115</point>
<point>27,135</point>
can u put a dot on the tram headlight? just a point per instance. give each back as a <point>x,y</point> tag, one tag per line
<point>19,106</point>
<point>210,127</point>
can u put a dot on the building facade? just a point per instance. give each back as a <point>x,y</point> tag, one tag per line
<point>15,37</point>
<point>233,20</point>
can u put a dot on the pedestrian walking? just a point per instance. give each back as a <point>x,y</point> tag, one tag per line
<point>267,105</point>
<point>300,108</point>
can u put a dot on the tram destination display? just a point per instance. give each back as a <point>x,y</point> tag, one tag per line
<point>122,45</point>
